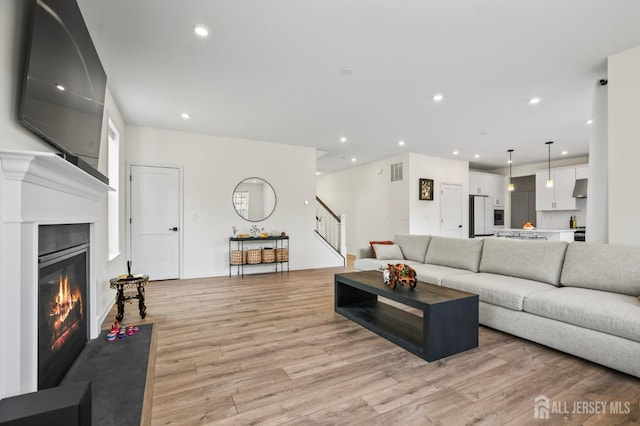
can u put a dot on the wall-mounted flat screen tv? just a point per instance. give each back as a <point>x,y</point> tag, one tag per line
<point>64,84</point>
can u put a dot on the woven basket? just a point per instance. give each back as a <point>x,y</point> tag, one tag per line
<point>254,256</point>
<point>282,254</point>
<point>268,256</point>
<point>238,257</point>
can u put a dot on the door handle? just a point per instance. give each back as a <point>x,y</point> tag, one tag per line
<point>459,226</point>
<point>174,229</point>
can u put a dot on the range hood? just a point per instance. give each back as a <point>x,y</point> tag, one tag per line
<point>580,190</point>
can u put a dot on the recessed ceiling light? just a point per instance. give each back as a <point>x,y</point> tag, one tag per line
<point>185,115</point>
<point>456,152</point>
<point>60,87</point>
<point>438,97</point>
<point>343,139</point>
<point>318,173</point>
<point>564,152</point>
<point>589,121</point>
<point>400,143</point>
<point>534,101</point>
<point>476,156</point>
<point>354,159</point>
<point>201,30</point>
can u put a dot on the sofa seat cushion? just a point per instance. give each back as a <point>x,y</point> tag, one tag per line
<point>370,264</point>
<point>414,247</point>
<point>603,267</point>
<point>434,274</point>
<point>610,313</point>
<point>501,290</point>
<point>462,253</point>
<point>533,260</point>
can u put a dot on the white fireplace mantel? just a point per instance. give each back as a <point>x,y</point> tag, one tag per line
<point>39,188</point>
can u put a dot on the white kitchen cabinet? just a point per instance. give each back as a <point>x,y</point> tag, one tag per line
<point>489,184</point>
<point>479,183</point>
<point>560,196</point>
<point>564,184</point>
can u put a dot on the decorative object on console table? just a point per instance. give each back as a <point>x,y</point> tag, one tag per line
<point>255,231</point>
<point>426,189</point>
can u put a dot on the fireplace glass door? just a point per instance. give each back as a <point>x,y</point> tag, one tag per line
<point>62,312</point>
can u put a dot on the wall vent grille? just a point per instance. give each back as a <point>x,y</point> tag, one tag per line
<point>396,172</point>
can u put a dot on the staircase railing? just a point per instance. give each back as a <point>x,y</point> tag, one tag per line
<point>331,227</point>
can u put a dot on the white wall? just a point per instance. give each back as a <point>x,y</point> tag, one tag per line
<point>598,190</point>
<point>624,146</point>
<point>213,166</point>
<point>377,208</point>
<point>425,215</point>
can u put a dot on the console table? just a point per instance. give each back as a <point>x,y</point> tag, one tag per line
<point>272,242</point>
<point>135,286</point>
<point>449,322</point>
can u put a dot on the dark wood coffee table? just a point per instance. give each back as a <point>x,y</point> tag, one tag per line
<point>449,324</point>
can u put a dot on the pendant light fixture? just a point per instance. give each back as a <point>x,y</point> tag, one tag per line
<point>510,186</point>
<point>549,180</point>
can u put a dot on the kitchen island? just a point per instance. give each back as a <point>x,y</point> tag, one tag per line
<point>533,234</point>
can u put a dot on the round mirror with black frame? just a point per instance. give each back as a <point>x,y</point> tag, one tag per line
<point>254,199</point>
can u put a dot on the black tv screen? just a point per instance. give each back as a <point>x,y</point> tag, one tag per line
<point>64,86</point>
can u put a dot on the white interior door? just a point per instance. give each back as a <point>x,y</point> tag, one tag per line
<point>451,210</point>
<point>155,221</point>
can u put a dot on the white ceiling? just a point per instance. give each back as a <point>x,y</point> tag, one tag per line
<point>275,71</point>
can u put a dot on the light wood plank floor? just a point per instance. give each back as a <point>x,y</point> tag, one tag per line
<point>269,349</point>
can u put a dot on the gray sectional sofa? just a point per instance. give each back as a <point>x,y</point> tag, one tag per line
<point>580,298</point>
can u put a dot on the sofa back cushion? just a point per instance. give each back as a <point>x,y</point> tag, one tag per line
<point>455,252</point>
<point>414,247</point>
<point>533,260</point>
<point>603,267</point>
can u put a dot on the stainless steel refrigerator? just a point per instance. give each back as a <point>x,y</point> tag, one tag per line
<point>480,216</point>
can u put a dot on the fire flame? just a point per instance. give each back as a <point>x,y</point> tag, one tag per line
<point>60,309</point>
